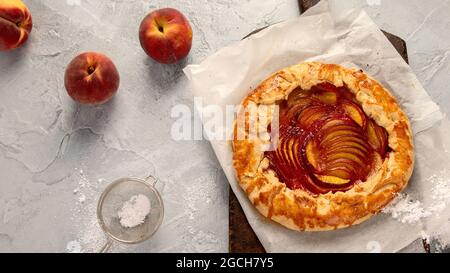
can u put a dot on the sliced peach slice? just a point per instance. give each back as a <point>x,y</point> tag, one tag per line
<point>372,135</point>
<point>355,113</point>
<point>325,87</point>
<point>350,144</point>
<point>382,137</point>
<point>298,106</point>
<point>298,101</point>
<point>377,137</point>
<point>327,97</point>
<point>358,160</point>
<point>332,123</point>
<point>280,151</point>
<point>310,115</point>
<point>330,142</point>
<point>354,139</point>
<point>299,93</point>
<point>335,135</point>
<point>311,154</point>
<point>292,149</point>
<point>345,126</point>
<point>348,166</point>
<point>332,180</point>
<point>340,172</point>
<point>285,149</point>
<point>343,149</point>
<point>342,127</point>
<point>344,164</point>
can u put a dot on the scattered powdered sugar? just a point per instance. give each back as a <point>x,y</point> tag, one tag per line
<point>84,188</point>
<point>425,236</point>
<point>407,210</point>
<point>83,183</point>
<point>74,247</point>
<point>89,235</point>
<point>82,198</point>
<point>440,191</point>
<point>134,211</point>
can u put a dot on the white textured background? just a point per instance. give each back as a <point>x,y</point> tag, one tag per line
<point>51,147</point>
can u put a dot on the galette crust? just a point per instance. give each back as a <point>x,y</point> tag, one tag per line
<point>298,209</point>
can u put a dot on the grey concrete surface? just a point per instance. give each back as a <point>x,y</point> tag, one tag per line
<point>56,156</point>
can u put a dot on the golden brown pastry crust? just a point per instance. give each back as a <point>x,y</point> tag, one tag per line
<point>298,209</point>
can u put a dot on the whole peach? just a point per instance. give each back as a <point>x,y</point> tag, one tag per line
<point>166,35</point>
<point>15,24</point>
<point>91,78</point>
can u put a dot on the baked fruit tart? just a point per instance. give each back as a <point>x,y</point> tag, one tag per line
<point>342,149</point>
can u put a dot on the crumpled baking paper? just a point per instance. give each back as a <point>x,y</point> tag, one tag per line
<point>330,34</point>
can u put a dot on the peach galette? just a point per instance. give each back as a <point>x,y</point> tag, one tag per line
<point>343,147</point>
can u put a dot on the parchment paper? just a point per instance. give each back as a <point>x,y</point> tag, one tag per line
<point>329,34</point>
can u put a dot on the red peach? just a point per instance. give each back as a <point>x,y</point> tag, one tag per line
<point>166,35</point>
<point>91,78</point>
<point>15,24</point>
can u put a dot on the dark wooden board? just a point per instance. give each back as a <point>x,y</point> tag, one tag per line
<point>242,238</point>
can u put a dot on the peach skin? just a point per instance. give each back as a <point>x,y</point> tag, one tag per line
<point>166,35</point>
<point>91,78</point>
<point>15,24</point>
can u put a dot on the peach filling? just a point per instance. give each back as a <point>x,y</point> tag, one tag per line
<point>327,143</point>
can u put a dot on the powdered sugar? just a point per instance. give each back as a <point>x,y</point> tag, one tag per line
<point>407,210</point>
<point>440,190</point>
<point>134,211</point>
<point>425,236</point>
<point>89,236</point>
<point>83,186</point>
<point>74,247</point>
<point>82,198</point>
